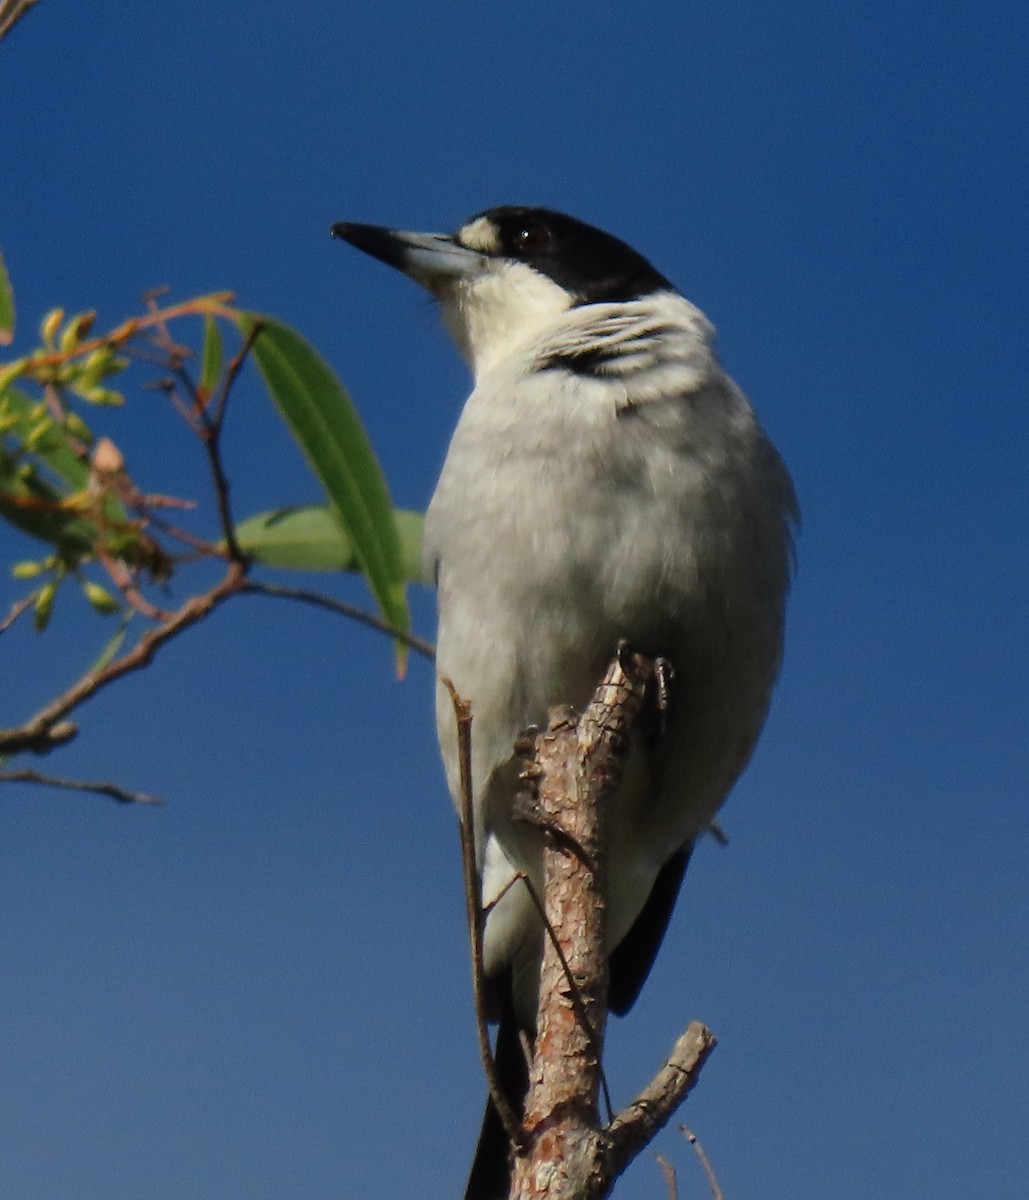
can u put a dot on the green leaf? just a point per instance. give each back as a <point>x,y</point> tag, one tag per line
<point>113,645</point>
<point>322,418</point>
<point>312,539</point>
<point>6,306</point>
<point>211,362</point>
<point>52,448</point>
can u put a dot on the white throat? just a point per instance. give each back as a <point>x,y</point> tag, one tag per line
<point>491,314</point>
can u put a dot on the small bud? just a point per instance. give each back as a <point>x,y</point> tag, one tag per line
<point>51,323</point>
<point>83,322</point>
<point>44,605</point>
<point>76,330</point>
<point>100,598</point>
<point>101,395</point>
<point>27,570</point>
<point>10,372</point>
<point>98,365</point>
<point>69,336</point>
<point>38,432</point>
<point>107,458</point>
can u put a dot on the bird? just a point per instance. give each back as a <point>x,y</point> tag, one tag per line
<point>607,483</point>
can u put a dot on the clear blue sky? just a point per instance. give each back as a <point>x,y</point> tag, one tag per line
<point>260,990</point>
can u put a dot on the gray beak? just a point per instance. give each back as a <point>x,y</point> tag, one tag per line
<point>429,258</point>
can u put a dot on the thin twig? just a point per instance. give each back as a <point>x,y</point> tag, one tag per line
<point>122,795</point>
<point>216,304</point>
<point>124,580</point>
<point>212,421</point>
<point>473,909</point>
<point>171,392</point>
<point>173,354</point>
<point>705,1162</point>
<point>201,546</point>
<point>215,412</point>
<point>420,645</point>
<point>669,1173</point>
<point>11,12</point>
<point>17,608</point>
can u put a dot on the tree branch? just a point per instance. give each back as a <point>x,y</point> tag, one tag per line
<point>47,729</point>
<point>122,795</point>
<point>11,12</point>
<point>17,608</point>
<point>567,1154</point>
<point>254,588</point>
<point>211,424</point>
<point>638,1123</point>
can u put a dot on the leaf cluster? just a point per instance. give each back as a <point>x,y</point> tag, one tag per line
<point>66,486</point>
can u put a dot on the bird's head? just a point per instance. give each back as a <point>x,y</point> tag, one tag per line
<point>508,273</point>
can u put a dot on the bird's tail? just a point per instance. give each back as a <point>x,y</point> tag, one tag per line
<point>490,1177</point>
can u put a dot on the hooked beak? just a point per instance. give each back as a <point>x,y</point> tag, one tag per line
<point>432,259</point>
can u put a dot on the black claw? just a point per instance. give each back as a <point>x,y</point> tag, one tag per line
<point>525,743</point>
<point>664,677</point>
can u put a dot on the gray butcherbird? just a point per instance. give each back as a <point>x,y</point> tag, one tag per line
<point>606,482</point>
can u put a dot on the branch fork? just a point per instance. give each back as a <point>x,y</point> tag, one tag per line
<point>561,1149</point>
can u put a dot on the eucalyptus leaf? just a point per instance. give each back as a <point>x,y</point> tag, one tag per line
<point>114,644</point>
<point>211,360</point>
<point>311,538</point>
<point>53,448</point>
<point>325,423</point>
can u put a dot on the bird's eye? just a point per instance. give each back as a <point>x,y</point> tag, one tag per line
<point>531,238</point>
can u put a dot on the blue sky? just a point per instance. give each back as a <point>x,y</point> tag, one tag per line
<point>260,990</point>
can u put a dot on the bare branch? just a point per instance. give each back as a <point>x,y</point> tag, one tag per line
<point>216,413</point>
<point>17,608</point>
<point>579,763</point>
<point>669,1173</point>
<point>641,1120</point>
<point>212,421</point>
<point>47,728</point>
<point>568,1154</point>
<point>281,591</point>
<point>122,795</point>
<point>11,11</point>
